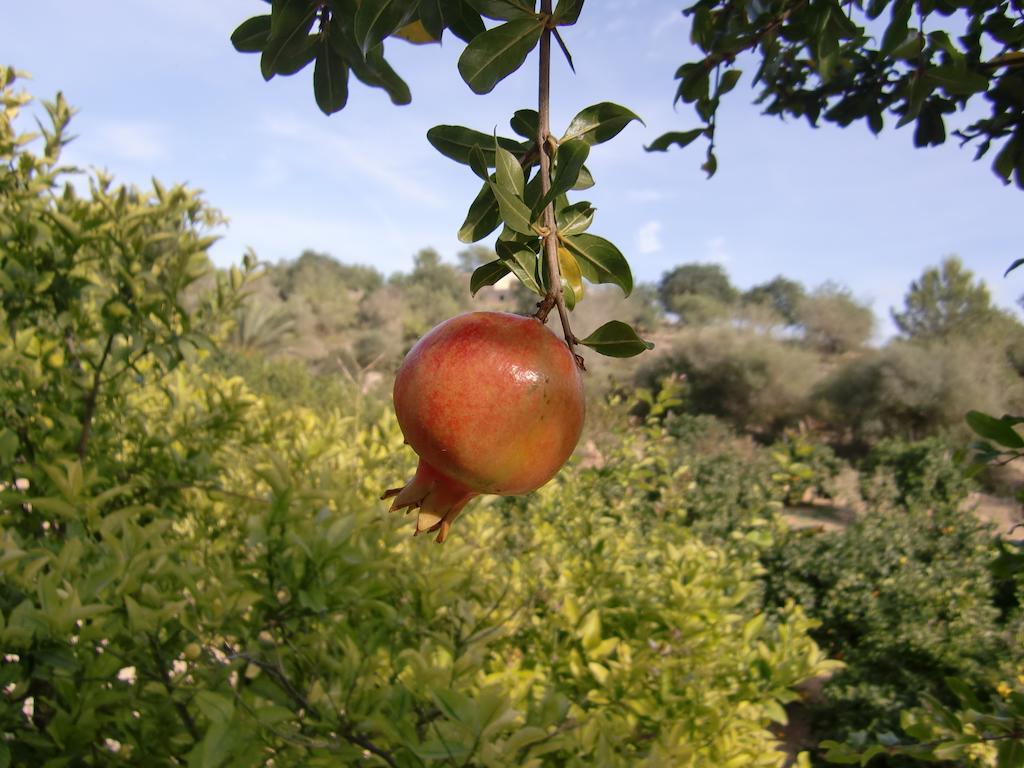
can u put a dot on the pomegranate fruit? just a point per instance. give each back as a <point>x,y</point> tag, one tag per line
<point>491,402</point>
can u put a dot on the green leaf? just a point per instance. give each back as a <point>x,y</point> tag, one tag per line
<point>375,71</point>
<point>330,79</point>
<point>1010,754</point>
<point>574,219</point>
<point>464,22</point>
<point>995,429</point>
<point>569,161</point>
<point>483,217</point>
<point>617,339</point>
<point>503,10</point>
<point>216,707</point>
<point>478,163</point>
<point>376,19</point>
<point>290,46</point>
<point>522,262</point>
<point>487,274</point>
<point>585,181</point>
<point>524,122</point>
<point>601,261</point>
<point>508,187</point>
<point>455,142</point>
<point>599,123</point>
<point>567,12</point>
<point>728,81</point>
<point>679,138</point>
<point>497,53</point>
<point>252,34</point>
<point>432,17</point>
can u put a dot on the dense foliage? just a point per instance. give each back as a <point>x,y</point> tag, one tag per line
<point>191,571</point>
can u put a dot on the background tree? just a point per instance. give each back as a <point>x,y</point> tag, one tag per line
<point>943,302</point>
<point>696,292</point>
<point>834,322</point>
<point>780,293</point>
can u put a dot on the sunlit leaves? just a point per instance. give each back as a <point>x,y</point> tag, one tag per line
<point>497,53</point>
<point>572,277</point>
<point>617,339</point>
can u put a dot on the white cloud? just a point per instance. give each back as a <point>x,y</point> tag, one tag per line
<point>648,238</point>
<point>382,165</point>
<point>134,139</point>
<point>646,195</point>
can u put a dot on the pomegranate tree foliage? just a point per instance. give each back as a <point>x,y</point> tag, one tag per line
<point>191,573</point>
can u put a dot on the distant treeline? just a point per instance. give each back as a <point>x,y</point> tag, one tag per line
<point>769,359</point>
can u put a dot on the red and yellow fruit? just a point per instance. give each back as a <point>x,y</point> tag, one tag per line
<point>491,403</point>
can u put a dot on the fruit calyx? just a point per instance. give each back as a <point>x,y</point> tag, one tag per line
<point>438,498</point>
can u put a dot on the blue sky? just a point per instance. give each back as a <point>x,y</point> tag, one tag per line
<point>160,92</point>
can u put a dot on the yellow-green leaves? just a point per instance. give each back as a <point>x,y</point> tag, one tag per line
<point>497,53</point>
<point>572,277</point>
<point>617,339</point>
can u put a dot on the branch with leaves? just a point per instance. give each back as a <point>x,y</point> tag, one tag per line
<point>543,240</point>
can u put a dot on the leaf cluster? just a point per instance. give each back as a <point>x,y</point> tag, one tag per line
<point>864,60</point>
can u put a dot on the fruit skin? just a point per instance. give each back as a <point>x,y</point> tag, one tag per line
<point>492,403</point>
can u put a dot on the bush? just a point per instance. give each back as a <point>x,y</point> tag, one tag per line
<point>921,473</point>
<point>191,572</point>
<point>906,599</point>
<point>914,389</point>
<point>755,381</point>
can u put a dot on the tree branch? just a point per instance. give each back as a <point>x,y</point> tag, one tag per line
<point>90,399</point>
<point>554,296</point>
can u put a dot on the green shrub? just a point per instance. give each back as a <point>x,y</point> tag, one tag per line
<point>195,573</point>
<point>803,466</point>
<point>906,599</point>
<point>921,473</point>
<point>916,389</point>
<point>754,381</point>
